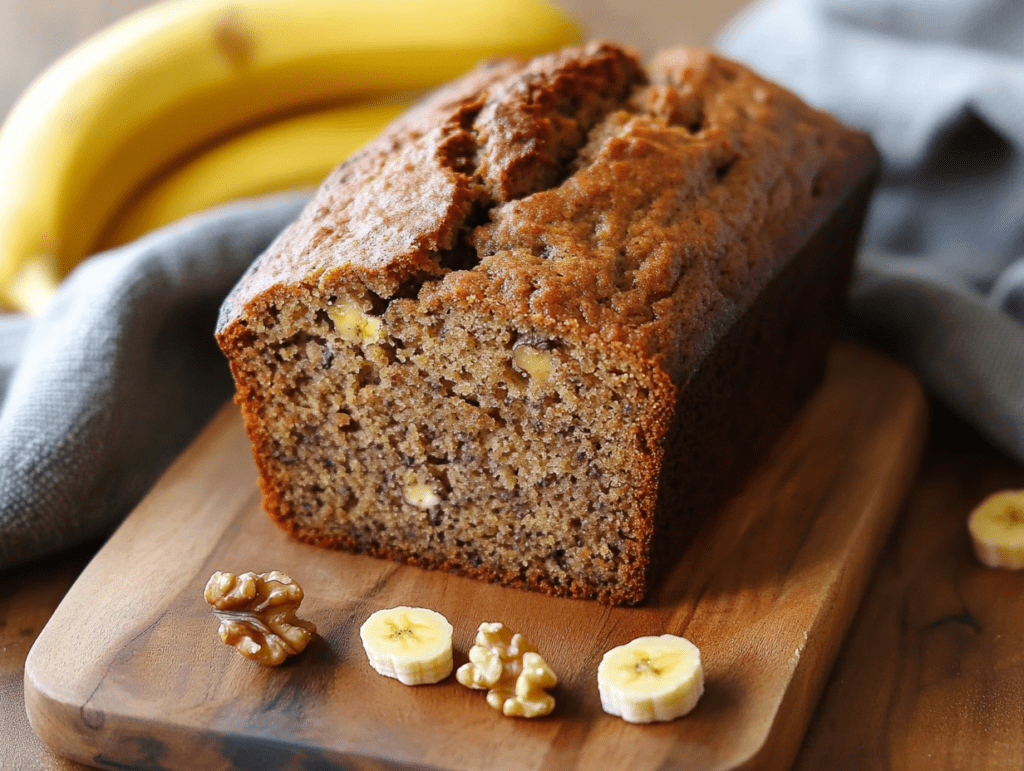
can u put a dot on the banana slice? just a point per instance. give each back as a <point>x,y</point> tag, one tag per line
<point>651,679</point>
<point>412,645</point>
<point>997,530</point>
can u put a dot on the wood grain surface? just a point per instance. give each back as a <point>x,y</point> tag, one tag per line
<point>29,597</point>
<point>931,676</point>
<point>129,672</point>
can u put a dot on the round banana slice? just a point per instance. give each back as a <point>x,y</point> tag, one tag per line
<point>651,679</point>
<point>997,530</point>
<point>412,645</point>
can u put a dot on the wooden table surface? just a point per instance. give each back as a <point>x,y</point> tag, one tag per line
<point>930,676</point>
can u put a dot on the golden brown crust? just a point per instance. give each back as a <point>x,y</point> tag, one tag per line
<point>573,199</point>
<point>686,199</point>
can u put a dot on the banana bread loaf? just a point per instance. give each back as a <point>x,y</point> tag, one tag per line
<point>549,317</point>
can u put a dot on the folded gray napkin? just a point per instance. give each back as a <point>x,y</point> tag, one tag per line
<point>940,86</point>
<point>106,388</point>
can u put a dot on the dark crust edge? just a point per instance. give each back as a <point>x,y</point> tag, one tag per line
<point>785,370</point>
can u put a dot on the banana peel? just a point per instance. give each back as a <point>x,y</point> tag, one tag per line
<point>292,153</point>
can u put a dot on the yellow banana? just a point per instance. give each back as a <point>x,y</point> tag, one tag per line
<point>996,526</point>
<point>293,152</point>
<point>179,74</point>
<point>412,645</point>
<point>651,679</point>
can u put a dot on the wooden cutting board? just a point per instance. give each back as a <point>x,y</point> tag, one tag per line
<point>130,672</point>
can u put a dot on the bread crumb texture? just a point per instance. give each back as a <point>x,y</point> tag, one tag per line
<point>472,350</point>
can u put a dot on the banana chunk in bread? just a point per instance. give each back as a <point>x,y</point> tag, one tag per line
<point>545,321</point>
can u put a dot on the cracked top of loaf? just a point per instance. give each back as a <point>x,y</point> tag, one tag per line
<point>579,194</point>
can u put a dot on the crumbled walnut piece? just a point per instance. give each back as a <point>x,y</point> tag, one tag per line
<point>422,496</point>
<point>538,363</point>
<point>529,699</point>
<point>496,655</point>
<point>511,669</point>
<point>257,614</point>
<point>355,326</point>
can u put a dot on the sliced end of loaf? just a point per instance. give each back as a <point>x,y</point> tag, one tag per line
<point>455,440</point>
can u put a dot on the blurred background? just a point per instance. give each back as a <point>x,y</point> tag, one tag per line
<point>35,32</point>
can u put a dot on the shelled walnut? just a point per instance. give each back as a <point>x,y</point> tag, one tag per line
<point>512,670</point>
<point>529,698</point>
<point>257,614</point>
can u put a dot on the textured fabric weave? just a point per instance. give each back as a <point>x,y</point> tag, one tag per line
<point>107,387</point>
<point>940,86</point>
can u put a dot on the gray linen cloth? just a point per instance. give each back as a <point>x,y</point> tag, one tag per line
<point>114,380</point>
<point>940,86</point>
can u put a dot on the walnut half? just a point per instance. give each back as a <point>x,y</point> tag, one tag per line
<point>257,614</point>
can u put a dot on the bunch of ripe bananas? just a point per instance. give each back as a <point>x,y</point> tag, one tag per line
<point>191,103</point>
